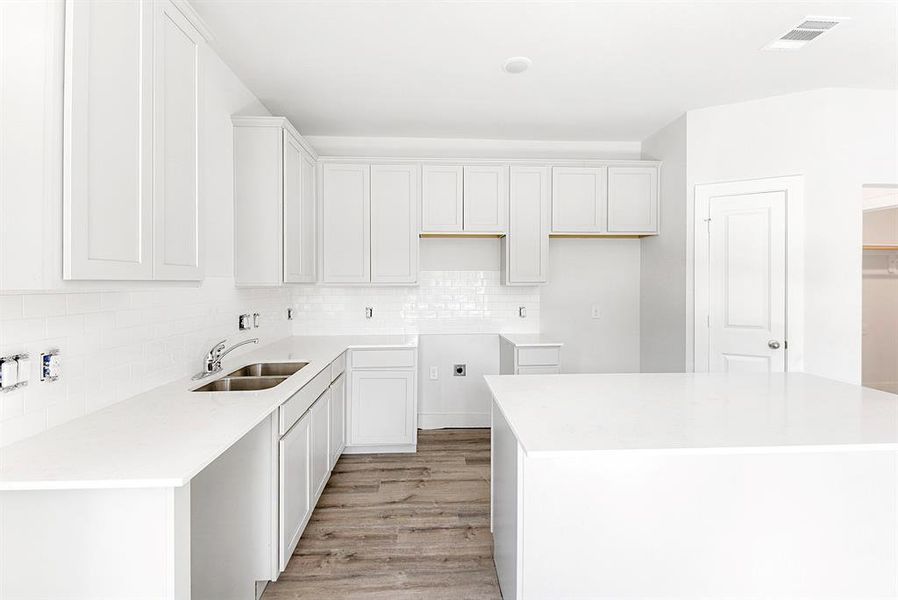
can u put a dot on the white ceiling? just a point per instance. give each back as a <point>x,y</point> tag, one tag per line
<point>601,70</point>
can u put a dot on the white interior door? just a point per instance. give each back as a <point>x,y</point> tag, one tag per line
<point>747,282</point>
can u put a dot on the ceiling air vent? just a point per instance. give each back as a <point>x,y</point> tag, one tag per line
<point>809,29</point>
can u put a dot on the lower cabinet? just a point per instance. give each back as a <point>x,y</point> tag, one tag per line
<point>383,408</point>
<point>320,460</point>
<point>337,419</point>
<point>295,490</point>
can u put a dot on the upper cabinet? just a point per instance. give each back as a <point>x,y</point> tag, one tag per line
<point>441,198</point>
<point>458,199</point>
<point>299,212</point>
<point>613,200</point>
<point>486,199</point>
<point>274,203</point>
<point>131,197</point>
<point>579,198</point>
<point>394,224</point>
<point>632,200</point>
<point>369,223</point>
<point>525,254</point>
<point>345,223</point>
<point>176,124</point>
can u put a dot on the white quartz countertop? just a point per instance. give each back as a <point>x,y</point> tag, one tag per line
<point>164,437</point>
<point>682,412</point>
<point>530,339</point>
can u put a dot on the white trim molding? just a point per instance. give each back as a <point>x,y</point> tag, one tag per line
<point>793,187</point>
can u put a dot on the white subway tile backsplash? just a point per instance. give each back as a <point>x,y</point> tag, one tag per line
<point>118,343</point>
<point>44,305</point>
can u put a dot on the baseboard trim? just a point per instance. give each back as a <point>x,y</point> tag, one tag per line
<point>397,449</point>
<point>447,420</point>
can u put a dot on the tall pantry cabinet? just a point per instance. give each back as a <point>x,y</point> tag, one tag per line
<point>274,203</point>
<point>132,126</point>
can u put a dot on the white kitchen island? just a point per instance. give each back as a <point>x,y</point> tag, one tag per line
<point>693,486</point>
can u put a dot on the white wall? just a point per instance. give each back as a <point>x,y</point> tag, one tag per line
<point>838,140</point>
<point>451,401</point>
<point>662,283</point>
<point>116,339</point>
<point>583,272</point>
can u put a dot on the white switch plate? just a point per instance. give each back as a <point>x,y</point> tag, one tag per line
<point>434,373</point>
<point>596,313</point>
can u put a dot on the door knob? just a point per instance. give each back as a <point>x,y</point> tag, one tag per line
<point>775,345</point>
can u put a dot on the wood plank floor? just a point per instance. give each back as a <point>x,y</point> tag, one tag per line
<point>401,526</point>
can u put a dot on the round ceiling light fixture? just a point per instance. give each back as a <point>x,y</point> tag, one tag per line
<point>517,64</point>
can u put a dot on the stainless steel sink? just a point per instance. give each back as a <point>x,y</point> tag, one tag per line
<point>241,384</point>
<point>274,369</point>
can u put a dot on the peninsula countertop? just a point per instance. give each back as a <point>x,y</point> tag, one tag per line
<point>165,436</point>
<point>693,412</point>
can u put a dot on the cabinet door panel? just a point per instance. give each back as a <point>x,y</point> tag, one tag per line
<point>345,224</point>
<point>299,213</point>
<point>383,407</point>
<point>176,203</point>
<point>578,199</point>
<point>258,192</point>
<point>108,160</point>
<point>632,200</point>
<point>527,244</point>
<point>295,487</point>
<point>486,199</point>
<point>320,415</point>
<point>337,419</point>
<point>441,198</point>
<point>394,224</point>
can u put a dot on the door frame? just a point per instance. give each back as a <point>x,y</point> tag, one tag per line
<point>793,187</point>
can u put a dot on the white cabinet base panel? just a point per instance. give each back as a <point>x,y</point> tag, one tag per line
<point>396,449</point>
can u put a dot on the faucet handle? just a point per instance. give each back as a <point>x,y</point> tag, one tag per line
<point>218,347</point>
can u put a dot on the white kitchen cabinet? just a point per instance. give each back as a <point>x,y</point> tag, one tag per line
<point>299,212</point>
<point>345,223</point>
<point>441,198</point>
<point>383,408</point>
<point>337,440</point>
<point>132,125</point>
<point>394,223</point>
<point>108,140</point>
<point>295,497</point>
<point>632,200</point>
<point>274,203</point>
<point>529,354</point>
<point>320,453</point>
<point>485,199</point>
<point>579,199</point>
<point>177,123</point>
<point>525,250</point>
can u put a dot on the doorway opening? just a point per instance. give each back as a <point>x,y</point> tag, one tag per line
<point>879,351</point>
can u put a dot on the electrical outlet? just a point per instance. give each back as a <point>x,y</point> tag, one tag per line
<point>596,313</point>
<point>434,373</point>
<point>459,370</point>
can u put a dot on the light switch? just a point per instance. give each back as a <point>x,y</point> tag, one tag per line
<point>9,373</point>
<point>434,373</point>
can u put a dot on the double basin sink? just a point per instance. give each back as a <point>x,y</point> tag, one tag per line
<point>254,377</point>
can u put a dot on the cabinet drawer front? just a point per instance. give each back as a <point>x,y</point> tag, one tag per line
<point>538,356</point>
<point>541,370</point>
<point>293,409</point>
<point>373,359</point>
<point>338,366</point>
